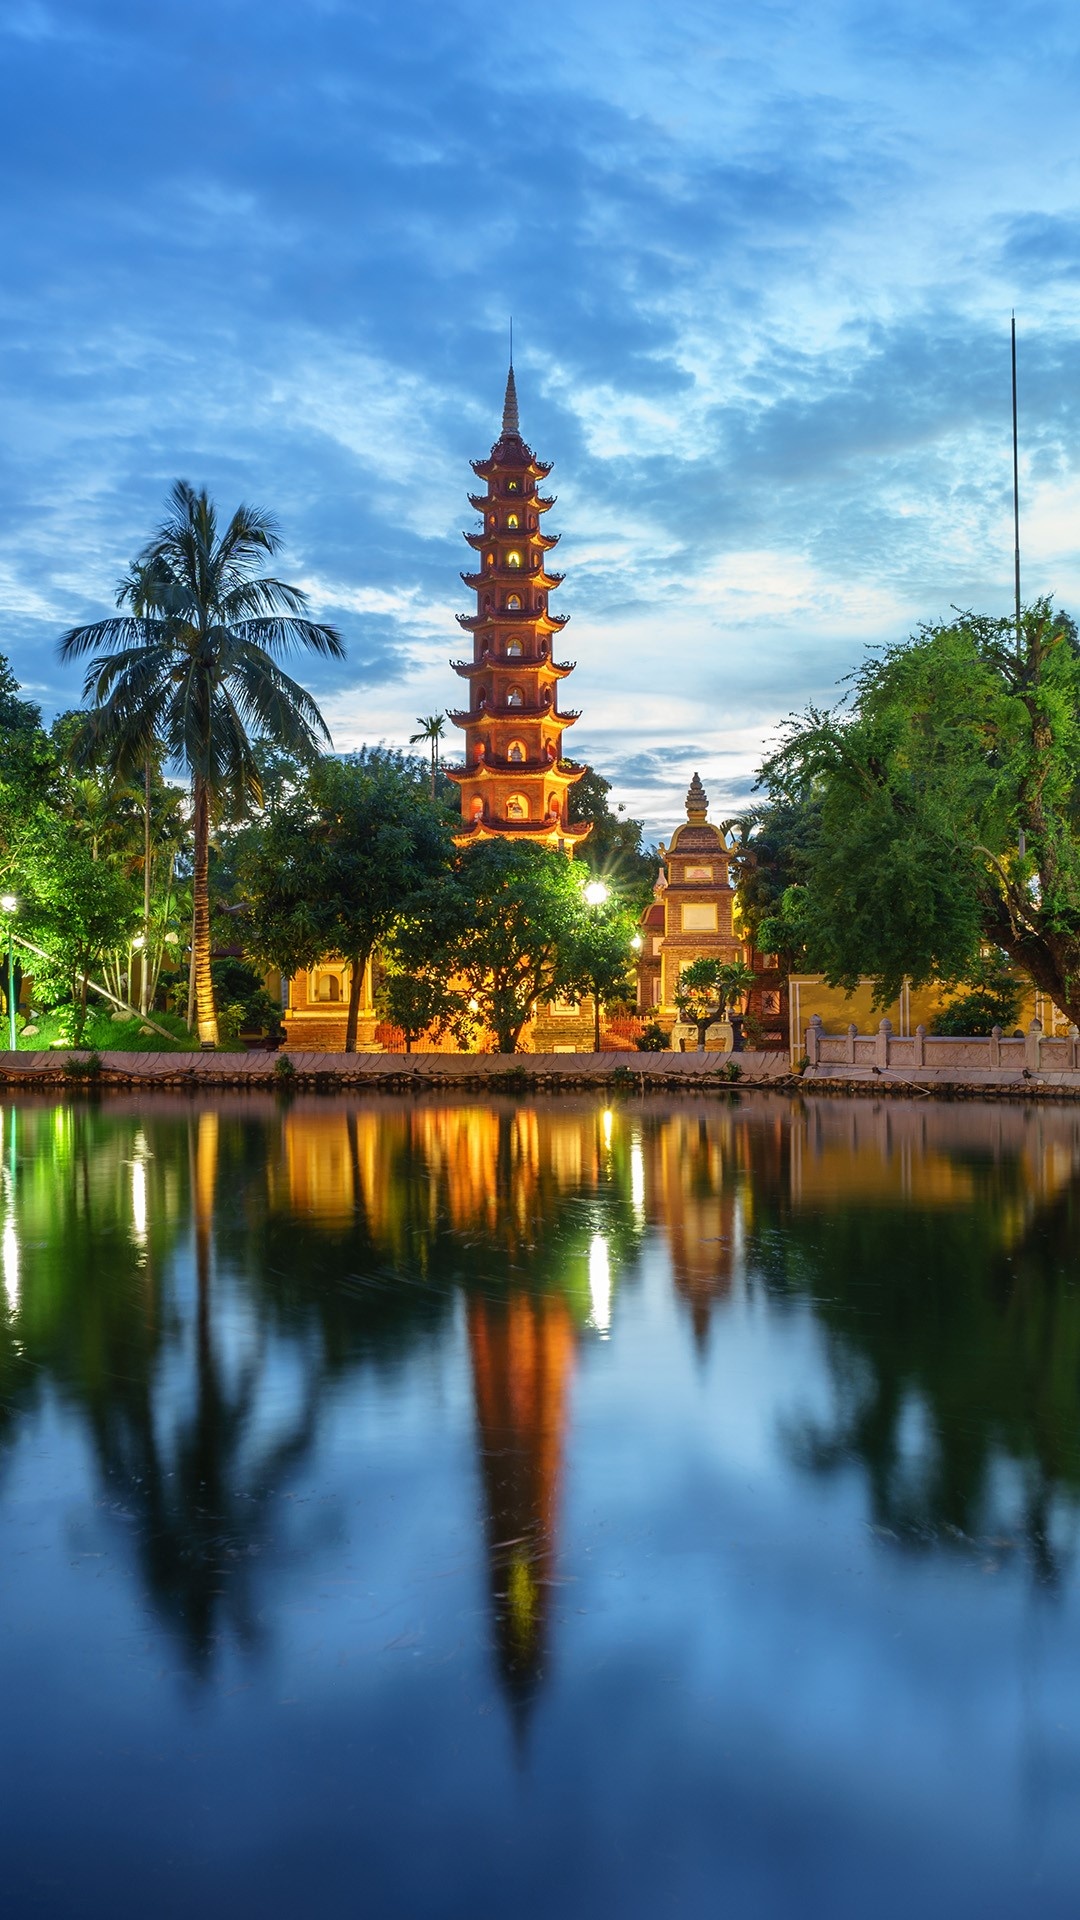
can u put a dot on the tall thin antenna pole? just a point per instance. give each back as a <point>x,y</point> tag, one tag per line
<point>512,340</point>
<point>1016,494</point>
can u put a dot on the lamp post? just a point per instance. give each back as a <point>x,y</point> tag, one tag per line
<point>10,906</point>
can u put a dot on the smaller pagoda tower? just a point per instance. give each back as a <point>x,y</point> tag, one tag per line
<point>514,782</point>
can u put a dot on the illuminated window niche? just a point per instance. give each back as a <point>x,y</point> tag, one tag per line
<point>517,752</point>
<point>515,697</point>
<point>517,807</point>
<point>513,559</point>
<point>513,603</point>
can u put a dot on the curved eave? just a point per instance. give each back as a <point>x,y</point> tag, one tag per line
<point>574,832</point>
<point>538,469</point>
<point>509,577</point>
<point>566,772</point>
<point>523,536</point>
<point>550,669</point>
<point>543,622</point>
<point>485,715</point>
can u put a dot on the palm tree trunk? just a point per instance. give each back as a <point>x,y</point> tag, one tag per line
<point>358,968</point>
<point>144,1002</point>
<point>205,1012</point>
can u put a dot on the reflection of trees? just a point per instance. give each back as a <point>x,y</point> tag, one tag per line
<point>952,1323</point>
<point>173,1262</point>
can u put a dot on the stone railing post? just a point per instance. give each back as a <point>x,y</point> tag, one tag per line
<point>1033,1046</point>
<point>920,1046</point>
<point>1074,1047</point>
<point>995,1046</point>
<point>813,1040</point>
<point>884,1035</point>
<point>851,1033</point>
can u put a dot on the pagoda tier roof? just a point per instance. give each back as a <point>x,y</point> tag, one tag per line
<point>561,830</point>
<point>507,575</point>
<point>568,771</point>
<point>543,502</point>
<point>484,715</point>
<point>484,537</point>
<point>544,622</point>
<point>558,670</point>
<point>524,462</point>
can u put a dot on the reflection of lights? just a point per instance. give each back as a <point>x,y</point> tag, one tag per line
<point>605,1120</point>
<point>600,1284</point>
<point>138,1186</point>
<point>9,1259</point>
<point>637,1175</point>
<point>138,1199</point>
<point>474,1006</point>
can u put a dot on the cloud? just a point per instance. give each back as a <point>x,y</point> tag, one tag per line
<point>760,265</point>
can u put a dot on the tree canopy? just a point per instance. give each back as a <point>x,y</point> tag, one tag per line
<point>342,856</point>
<point>939,811</point>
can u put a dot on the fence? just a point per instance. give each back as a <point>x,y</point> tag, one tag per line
<point>1033,1052</point>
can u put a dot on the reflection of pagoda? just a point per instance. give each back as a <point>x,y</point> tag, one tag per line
<point>522,1351</point>
<point>514,783</point>
<point>697,1202</point>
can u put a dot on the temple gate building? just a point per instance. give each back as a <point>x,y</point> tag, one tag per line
<point>692,917</point>
<point>514,782</point>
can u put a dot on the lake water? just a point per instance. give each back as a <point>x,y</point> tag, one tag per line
<point>426,1508</point>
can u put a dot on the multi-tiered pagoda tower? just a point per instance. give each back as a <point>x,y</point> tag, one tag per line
<point>514,783</point>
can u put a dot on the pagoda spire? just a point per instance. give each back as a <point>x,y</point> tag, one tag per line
<point>515,783</point>
<point>510,406</point>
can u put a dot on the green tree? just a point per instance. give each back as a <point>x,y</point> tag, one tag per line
<point>599,955</point>
<point>193,664</point>
<point>947,806</point>
<point>340,860</point>
<point>502,926</point>
<point>419,1003</point>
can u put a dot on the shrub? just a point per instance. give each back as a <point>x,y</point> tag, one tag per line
<point>653,1040</point>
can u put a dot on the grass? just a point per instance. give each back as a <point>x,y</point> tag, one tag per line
<point>103,1034</point>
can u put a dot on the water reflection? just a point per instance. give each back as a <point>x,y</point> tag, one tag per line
<point>246,1316</point>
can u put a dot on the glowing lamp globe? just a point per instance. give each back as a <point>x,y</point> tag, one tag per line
<point>596,893</point>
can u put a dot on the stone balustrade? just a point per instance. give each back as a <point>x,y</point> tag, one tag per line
<point>1035,1052</point>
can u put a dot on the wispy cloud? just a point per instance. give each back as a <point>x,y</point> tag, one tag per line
<point>761,265</point>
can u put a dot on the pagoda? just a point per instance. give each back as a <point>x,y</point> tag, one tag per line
<point>514,782</point>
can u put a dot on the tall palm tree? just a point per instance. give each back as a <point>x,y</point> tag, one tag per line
<point>191,664</point>
<point>431,727</point>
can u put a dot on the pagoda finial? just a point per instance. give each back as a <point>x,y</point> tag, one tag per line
<point>510,405</point>
<point>697,800</point>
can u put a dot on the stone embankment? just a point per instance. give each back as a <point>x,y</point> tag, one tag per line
<point>335,1072</point>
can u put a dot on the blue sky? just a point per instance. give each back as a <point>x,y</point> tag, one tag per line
<point>760,259</point>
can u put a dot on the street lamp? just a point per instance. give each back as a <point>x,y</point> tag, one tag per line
<point>9,905</point>
<point>596,893</point>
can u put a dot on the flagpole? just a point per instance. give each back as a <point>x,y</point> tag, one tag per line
<point>1016,494</point>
